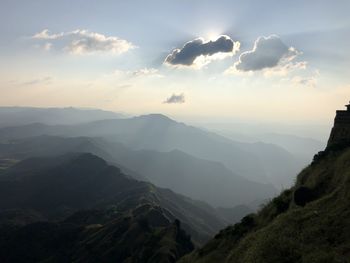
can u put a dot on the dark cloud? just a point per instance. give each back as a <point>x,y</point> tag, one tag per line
<point>197,47</point>
<point>175,99</point>
<point>266,53</point>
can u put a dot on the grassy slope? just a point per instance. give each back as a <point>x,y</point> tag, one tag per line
<point>284,232</point>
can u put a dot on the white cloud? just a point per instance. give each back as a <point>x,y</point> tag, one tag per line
<point>310,81</point>
<point>45,34</point>
<point>284,69</point>
<point>138,73</point>
<point>81,42</point>
<point>146,72</point>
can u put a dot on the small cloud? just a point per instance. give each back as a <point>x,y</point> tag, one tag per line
<point>45,34</point>
<point>81,42</point>
<point>284,69</point>
<point>198,52</point>
<point>47,46</point>
<point>268,52</point>
<point>305,81</point>
<point>39,81</point>
<point>175,99</point>
<point>146,72</point>
<point>138,73</point>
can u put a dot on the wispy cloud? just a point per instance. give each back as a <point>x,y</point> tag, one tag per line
<point>81,42</point>
<point>38,81</point>
<point>309,81</point>
<point>146,72</point>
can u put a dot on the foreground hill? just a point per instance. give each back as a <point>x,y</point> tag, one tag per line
<point>158,132</point>
<point>307,223</point>
<point>56,187</point>
<point>142,235</point>
<point>200,179</point>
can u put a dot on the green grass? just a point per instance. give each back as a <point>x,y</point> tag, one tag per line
<point>283,232</point>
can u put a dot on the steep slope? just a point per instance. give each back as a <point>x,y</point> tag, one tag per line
<point>157,132</point>
<point>307,223</point>
<point>56,187</point>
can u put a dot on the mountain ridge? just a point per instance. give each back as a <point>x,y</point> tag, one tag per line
<point>147,132</point>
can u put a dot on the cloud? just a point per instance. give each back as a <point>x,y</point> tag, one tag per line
<point>178,99</point>
<point>81,42</point>
<point>199,52</point>
<point>268,52</point>
<point>146,72</point>
<point>285,69</point>
<point>308,81</point>
<point>39,81</point>
<point>138,73</point>
<point>45,34</point>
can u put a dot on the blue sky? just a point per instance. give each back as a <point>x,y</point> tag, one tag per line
<point>82,61</point>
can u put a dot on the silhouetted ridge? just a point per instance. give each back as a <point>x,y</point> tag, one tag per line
<point>57,187</point>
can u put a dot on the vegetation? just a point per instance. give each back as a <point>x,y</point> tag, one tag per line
<point>297,226</point>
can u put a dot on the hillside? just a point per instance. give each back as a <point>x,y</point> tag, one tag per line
<point>306,223</point>
<point>142,235</point>
<point>54,188</point>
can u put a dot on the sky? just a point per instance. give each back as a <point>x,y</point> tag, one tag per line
<point>265,61</point>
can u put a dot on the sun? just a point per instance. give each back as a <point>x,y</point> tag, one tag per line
<point>212,35</point>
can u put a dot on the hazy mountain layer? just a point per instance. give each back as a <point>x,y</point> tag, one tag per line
<point>157,132</point>
<point>15,116</point>
<point>199,179</point>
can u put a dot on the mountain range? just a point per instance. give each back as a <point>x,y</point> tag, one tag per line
<point>197,178</point>
<point>157,132</point>
<point>131,190</point>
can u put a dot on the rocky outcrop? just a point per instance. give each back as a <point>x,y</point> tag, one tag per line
<point>340,133</point>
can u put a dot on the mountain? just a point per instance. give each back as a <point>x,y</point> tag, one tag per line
<point>301,147</point>
<point>307,223</point>
<point>16,116</point>
<point>158,132</point>
<point>57,187</point>
<point>199,179</point>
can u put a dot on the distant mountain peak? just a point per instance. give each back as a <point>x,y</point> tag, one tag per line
<point>156,116</point>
